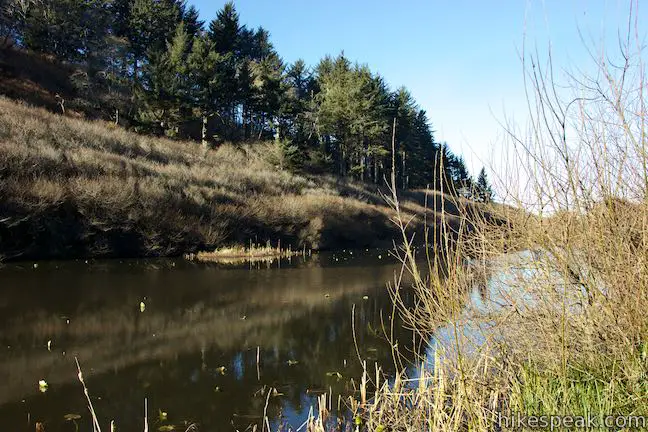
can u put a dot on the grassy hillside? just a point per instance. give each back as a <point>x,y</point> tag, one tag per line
<point>74,188</point>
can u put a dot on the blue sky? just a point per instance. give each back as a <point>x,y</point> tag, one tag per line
<point>460,59</point>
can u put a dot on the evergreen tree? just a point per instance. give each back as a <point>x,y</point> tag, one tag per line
<point>225,37</point>
<point>424,152</point>
<point>166,88</point>
<point>149,25</point>
<point>484,189</point>
<point>208,73</point>
<point>225,30</point>
<point>369,123</point>
<point>298,116</point>
<point>268,75</point>
<point>444,166</point>
<point>193,24</point>
<point>404,109</point>
<point>246,96</point>
<point>463,182</point>
<point>71,30</point>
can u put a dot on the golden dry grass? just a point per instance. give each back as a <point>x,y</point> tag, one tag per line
<point>71,187</point>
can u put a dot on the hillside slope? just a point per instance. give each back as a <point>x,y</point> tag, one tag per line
<point>74,188</point>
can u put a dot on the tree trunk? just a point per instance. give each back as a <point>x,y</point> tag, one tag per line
<point>203,134</point>
<point>403,173</point>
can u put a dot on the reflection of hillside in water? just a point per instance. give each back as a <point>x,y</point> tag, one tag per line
<point>197,319</point>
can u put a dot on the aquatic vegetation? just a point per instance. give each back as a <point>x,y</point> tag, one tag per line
<point>42,386</point>
<point>240,254</point>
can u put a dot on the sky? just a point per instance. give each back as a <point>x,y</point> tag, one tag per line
<point>461,60</point>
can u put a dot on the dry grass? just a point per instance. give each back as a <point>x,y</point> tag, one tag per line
<point>75,188</point>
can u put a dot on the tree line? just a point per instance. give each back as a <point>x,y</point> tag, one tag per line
<point>156,67</point>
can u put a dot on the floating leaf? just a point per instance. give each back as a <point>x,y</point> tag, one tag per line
<point>42,386</point>
<point>166,428</point>
<point>292,362</point>
<point>163,415</point>
<point>338,375</point>
<point>71,417</point>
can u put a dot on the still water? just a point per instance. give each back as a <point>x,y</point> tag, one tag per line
<point>201,343</point>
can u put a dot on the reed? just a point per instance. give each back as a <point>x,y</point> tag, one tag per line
<point>253,252</point>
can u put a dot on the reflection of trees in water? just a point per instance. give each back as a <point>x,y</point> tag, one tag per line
<point>197,320</point>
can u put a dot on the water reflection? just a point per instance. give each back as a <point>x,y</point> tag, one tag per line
<point>193,350</point>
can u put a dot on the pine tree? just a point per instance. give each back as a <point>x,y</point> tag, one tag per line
<point>193,24</point>
<point>208,74</point>
<point>224,34</point>
<point>368,126</point>
<point>225,30</point>
<point>246,96</point>
<point>69,29</point>
<point>484,189</point>
<point>165,94</point>
<point>424,152</point>
<point>148,27</point>
<point>297,116</point>
<point>404,109</point>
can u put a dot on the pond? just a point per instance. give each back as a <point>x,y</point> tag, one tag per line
<point>202,343</point>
